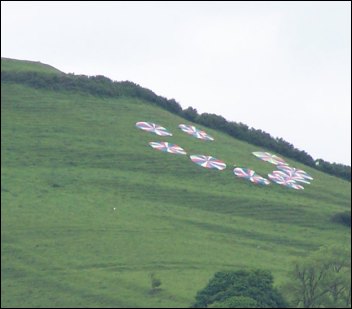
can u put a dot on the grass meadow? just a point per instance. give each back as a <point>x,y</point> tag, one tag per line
<point>69,159</point>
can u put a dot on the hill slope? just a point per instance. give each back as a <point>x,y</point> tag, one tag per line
<point>15,65</point>
<point>69,159</point>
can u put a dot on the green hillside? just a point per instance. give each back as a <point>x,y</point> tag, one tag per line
<point>14,65</point>
<point>68,159</point>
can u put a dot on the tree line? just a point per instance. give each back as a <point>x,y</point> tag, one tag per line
<point>104,87</point>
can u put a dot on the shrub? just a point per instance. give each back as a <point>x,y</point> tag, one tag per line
<point>343,218</point>
<point>155,283</point>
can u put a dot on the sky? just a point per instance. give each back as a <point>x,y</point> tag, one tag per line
<point>282,67</point>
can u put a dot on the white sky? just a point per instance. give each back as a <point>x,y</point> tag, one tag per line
<point>282,67</point>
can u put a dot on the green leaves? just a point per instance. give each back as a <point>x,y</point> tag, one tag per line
<point>324,278</point>
<point>239,289</point>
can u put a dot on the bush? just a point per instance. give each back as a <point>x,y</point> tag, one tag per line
<point>155,283</point>
<point>343,218</point>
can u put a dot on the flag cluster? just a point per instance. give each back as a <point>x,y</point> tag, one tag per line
<point>287,176</point>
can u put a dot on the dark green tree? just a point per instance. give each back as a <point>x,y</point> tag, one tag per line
<point>256,285</point>
<point>190,113</point>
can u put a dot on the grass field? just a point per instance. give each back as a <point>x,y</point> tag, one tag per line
<point>68,159</point>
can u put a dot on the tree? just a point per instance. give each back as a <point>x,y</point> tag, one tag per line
<point>190,113</point>
<point>225,288</point>
<point>322,279</point>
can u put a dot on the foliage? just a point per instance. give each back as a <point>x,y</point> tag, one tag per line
<point>190,113</point>
<point>255,284</point>
<point>322,280</point>
<point>235,302</point>
<point>337,169</point>
<point>99,85</point>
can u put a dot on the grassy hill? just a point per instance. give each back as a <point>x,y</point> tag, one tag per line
<point>69,159</point>
<point>14,65</point>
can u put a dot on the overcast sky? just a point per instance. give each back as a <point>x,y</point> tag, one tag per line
<point>282,67</point>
